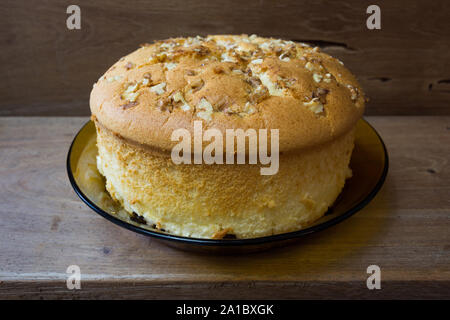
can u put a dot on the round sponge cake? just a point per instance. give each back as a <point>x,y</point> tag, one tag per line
<point>227,82</point>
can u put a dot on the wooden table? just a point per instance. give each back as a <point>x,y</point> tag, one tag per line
<point>44,228</point>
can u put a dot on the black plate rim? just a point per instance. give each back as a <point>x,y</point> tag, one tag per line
<point>230,242</point>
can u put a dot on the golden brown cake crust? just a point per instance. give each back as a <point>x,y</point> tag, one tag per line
<point>228,82</point>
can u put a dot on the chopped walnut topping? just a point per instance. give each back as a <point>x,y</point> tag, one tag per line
<point>178,97</point>
<point>285,56</point>
<point>314,105</point>
<point>188,42</point>
<point>115,78</point>
<point>129,105</point>
<point>170,65</point>
<point>204,105</point>
<point>131,93</point>
<point>257,61</point>
<point>202,51</point>
<point>317,77</point>
<point>274,90</point>
<point>327,78</point>
<point>254,81</point>
<point>242,111</point>
<point>132,87</point>
<point>196,84</point>
<point>129,66</point>
<point>321,94</point>
<point>261,63</point>
<point>354,92</point>
<point>131,96</point>
<point>226,58</point>
<point>158,57</point>
<point>261,93</point>
<point>287,82</point>
<point>243,55</point>
<point>248,109</point>
<point>219,70</point>
<point>190,73</point>
<point>309,66</point>
<point>222,103</point>
<point>206,109</point>
<point>232,109</point>
<point>165,105</point>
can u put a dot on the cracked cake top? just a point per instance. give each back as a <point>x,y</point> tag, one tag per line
<point>228,82</point>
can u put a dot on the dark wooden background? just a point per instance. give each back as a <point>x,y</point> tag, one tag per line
<point>48,70</point>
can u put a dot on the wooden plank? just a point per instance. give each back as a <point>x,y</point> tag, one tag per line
<point>240,290</point>
<point>45,228</point>
<point>49,70</point>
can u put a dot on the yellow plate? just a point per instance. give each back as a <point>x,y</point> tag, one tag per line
<point>369,164</point>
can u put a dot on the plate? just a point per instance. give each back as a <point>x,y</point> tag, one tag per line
<point>369,164</point>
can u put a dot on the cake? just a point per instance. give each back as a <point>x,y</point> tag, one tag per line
<point>226,82</point>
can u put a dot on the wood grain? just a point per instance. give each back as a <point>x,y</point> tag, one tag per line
<point>49,70</point>
<point>44,228</point>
